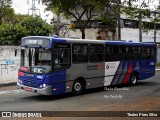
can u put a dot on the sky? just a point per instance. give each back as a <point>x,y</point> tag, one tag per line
<point>22,7</point>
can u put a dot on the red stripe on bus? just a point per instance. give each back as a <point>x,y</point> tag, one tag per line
<point>128,74</point>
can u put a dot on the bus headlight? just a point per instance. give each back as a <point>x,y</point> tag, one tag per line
<point>20,81</point>
<point>43,85</point>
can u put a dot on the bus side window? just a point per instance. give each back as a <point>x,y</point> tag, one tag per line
<point>136,52</point>
<point>152,53</point>
<point>146,53</point>
<point>128,53</point>
<point>116,53</point>
<point>80,53</point>
<point>108,53</point>
<point>96,53</point>
<point>62,56</point>
<point>121,52</point>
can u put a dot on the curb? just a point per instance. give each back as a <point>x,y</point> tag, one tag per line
<point>8,84</point>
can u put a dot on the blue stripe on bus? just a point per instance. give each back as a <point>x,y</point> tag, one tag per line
<point>58,40</point>
<point>61,40</point>
<point>57,79</point>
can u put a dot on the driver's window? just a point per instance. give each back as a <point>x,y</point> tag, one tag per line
<point>62,56</point>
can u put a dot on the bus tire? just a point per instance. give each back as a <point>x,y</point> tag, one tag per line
<point>133,78</point>
<point>78,87</point>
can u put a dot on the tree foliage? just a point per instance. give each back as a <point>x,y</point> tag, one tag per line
<point>140,10</point>
<point>81,10</point>
<point>6,12</point>
<point>36,26</point>
<point>15,26</point>
<point>23,25</point>
<point>11,33</point>
<point>135,9</point>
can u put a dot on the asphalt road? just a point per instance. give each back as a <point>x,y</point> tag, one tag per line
<point>145,96</point>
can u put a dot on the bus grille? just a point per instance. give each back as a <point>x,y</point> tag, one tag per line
<point>32,82</point>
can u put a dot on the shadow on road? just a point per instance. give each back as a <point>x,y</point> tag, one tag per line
<point>147,83</point>
<point>61,96</point>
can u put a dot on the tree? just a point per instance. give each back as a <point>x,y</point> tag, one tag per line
<point>58,24</point>
<point>81,10</point>
<point>6,12</point>
<point>140,10</point>
<point>36,26</point>
<point>11,33</point>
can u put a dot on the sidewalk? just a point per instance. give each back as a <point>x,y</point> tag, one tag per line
<point>8,86</point>
<point>157,68</point>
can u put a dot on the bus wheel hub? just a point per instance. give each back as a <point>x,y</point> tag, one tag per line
<point>77,86</point>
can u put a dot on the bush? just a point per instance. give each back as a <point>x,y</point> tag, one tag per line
<point>11,34</point>
<point>29,26</point>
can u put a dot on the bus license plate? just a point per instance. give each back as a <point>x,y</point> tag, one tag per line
<point>29,89</point>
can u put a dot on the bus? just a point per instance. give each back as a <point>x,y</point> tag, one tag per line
<point>53,65</point>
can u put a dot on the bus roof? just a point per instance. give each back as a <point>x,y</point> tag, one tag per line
<point>88,41</point>
<point>46,37</point>
<point>130,43</point>
<point>109,42</point>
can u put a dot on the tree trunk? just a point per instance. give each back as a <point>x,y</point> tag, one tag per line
<point>83,33</point>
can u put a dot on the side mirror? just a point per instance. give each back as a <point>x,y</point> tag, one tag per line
<point>15,52</point>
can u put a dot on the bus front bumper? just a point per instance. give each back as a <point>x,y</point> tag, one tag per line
<point>45,91</point>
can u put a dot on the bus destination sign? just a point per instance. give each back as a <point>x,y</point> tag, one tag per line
<point>36,42</point>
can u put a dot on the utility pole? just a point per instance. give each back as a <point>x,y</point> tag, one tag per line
<point>140,27</point>
<point>140,22</point>
<point>33,8</point>
<point>155,31</point>
<point>119,20</point>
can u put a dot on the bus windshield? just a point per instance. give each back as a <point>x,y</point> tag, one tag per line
<point>36,60</point>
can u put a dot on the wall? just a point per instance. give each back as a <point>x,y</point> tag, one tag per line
<point>93,33</point>
<point>133,34</point>
<point>9,64</point>
<point>90,33</point>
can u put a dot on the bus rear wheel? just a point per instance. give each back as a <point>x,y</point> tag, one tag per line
<point>78,87</point>
<point>133,79</point>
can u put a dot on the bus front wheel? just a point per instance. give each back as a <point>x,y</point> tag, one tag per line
<point>78,87</point>
<point>133,79</point>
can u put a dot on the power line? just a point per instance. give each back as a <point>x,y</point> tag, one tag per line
<point>19,8</point>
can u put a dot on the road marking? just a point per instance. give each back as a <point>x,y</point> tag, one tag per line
<point>10,92</point>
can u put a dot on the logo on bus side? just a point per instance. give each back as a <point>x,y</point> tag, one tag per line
<point>107,67</point>
<point>110,66</point>
<point>94,67</point>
